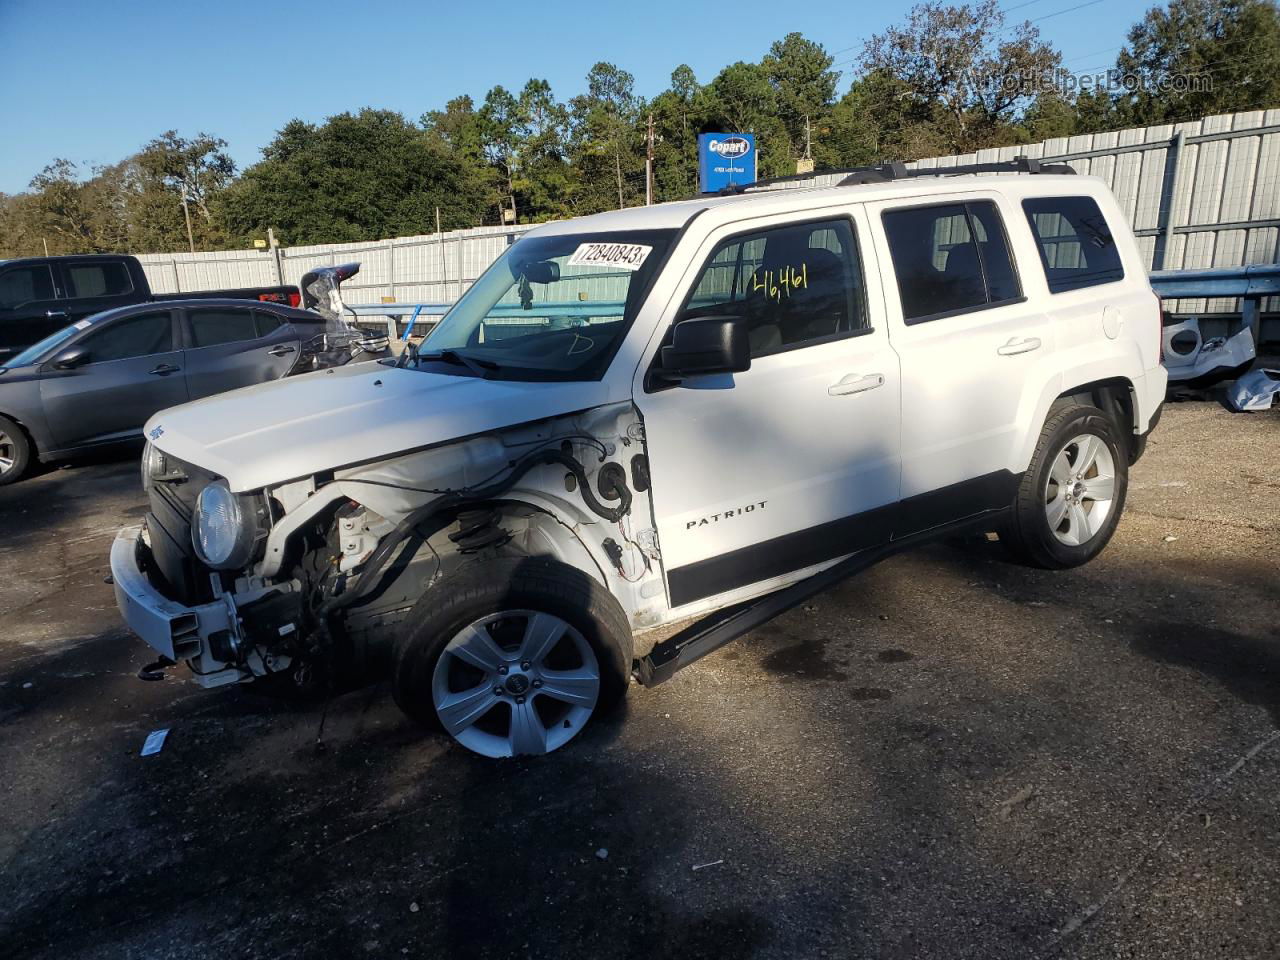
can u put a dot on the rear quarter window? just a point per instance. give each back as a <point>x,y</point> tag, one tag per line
<point>1076,246</point>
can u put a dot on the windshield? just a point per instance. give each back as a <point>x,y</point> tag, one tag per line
<point>36,350</point>
<point>550,308</point>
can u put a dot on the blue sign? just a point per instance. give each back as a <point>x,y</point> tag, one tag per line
<point>725,159</point>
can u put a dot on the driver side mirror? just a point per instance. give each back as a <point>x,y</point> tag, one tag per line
<point>706,345</point>
<point>71,358</point>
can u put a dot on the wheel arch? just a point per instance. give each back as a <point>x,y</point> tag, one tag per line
<point>1116,395</point>
<point>37,451</point>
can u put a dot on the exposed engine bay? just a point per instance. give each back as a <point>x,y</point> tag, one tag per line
<point>317,574</point>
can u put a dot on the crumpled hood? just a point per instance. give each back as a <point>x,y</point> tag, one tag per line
<point>293,428</point>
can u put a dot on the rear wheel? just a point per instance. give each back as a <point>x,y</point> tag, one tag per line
<point>15,452</point>
<point>1070,500</point>
<point>513,656</point>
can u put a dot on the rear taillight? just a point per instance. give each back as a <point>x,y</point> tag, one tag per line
<point>295,298</point>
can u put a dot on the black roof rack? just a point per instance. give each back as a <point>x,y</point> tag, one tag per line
<point>887,172</point>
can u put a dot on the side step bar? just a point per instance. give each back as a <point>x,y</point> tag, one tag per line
<point>712,632</point>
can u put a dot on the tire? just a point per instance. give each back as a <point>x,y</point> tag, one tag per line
<point>488,654</point>
<point>15,452</point>
<point>1056,525</point>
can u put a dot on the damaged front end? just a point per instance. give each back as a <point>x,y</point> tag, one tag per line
<point>308,580</point>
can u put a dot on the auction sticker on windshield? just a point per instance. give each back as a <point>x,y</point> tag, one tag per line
<point>628,256</point>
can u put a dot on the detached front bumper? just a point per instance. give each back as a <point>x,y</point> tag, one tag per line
<point>170,628</point>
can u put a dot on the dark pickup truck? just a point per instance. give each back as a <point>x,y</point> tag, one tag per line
<point>40,295</point>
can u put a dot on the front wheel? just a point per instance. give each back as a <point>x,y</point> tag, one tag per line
<point>513,656</point>
<point>1071,497</point>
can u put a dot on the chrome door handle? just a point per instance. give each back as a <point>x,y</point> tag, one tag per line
<point>281,350</point>
<point>164,369</point>
<point>56,314</point>
<point>1016,346</point>
<point>855,383</point>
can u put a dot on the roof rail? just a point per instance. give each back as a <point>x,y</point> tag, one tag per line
<point>887,172</point>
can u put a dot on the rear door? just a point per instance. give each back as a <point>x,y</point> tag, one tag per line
<point>30,309</point>
<point>970,341</point>
<point>236,346</point>
<point>133,371</point>
<point>97,284</point>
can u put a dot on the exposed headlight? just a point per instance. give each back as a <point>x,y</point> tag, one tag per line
<point>152,459</point>
<point>226,527</point>
<point>156,465</point>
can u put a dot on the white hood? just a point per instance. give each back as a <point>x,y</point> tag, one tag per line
<point>299,426</point>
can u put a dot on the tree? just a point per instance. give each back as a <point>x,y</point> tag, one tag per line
<point>546,181</point>
<point>1194,58</point>
<point>605,142</point>
<point>363,176</point>
<point>679,115</point>
<point>804,83</point>
<point>499,133</point>
<point>744,100</point>
<point>961,60</point>
<point>459,131</point>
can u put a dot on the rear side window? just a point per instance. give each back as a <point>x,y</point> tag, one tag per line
<point>97,280</point>
<point>950,259</point>
<point>266,323</point>
<point>794,285</point>
<point>214,326</point>
<point>19,285</point>
<point>1076,246</point>
<point>134,337</point>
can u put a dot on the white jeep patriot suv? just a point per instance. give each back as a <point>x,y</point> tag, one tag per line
<point>708,409</point>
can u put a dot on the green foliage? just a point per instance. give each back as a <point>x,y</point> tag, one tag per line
<point>360,176</point>
<point>1200,57</point>
<point>947,78</point>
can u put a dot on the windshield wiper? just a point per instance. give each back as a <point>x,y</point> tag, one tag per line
<point>474,364</point>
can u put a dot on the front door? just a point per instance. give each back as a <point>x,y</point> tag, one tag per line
<point>132,372</point>
<point>795,461</point>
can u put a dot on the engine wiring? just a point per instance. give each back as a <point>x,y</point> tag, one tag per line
<point>510,465</point>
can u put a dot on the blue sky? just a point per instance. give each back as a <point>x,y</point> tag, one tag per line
<point>92,80</point>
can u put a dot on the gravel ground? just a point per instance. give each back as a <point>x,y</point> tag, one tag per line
<point>950,756</point>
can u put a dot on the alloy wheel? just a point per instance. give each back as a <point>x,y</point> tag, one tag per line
<point>1080,490</point>
<point>515,683</point>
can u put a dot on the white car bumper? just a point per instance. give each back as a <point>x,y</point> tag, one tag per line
<point>170,628</point>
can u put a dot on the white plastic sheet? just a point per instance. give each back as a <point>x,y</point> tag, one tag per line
<point>1256,390</point>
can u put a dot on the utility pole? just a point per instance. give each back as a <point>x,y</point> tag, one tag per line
<point>275,255</point>
<point>648,167</point>
<point>186,212</point>
<point>444,266</point>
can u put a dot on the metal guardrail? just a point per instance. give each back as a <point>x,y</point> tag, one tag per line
<point>1249,283</point>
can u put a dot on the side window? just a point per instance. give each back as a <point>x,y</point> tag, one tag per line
<point>266,323</point>
<point>19,285</point>
<point>109,279</point>
<point>793,285</point>
<point>950,258</point>
<point>135,337</point>
<point>221,325</point>
<point>1076,246</point>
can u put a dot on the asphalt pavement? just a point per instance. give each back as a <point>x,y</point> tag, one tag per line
<point>949,756</point>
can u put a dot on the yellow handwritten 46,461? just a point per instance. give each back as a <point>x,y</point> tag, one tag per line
<point>778,284</point>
